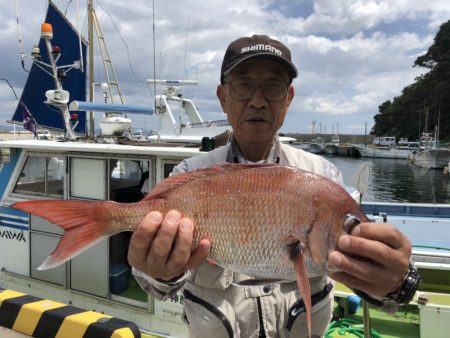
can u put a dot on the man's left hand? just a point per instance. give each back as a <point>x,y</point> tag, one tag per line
<point>374,259</point>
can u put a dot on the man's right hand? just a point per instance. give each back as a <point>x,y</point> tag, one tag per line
<point>161,247</point>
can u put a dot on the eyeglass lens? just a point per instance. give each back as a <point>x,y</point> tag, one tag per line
<point>243,89</point>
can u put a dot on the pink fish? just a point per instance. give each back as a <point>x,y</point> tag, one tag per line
<point>268,221</point>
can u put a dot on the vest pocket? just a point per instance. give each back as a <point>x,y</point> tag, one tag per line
<point>295,319</point>
<point>207,318</point>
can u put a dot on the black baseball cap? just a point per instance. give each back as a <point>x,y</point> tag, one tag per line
<point>257,46</point>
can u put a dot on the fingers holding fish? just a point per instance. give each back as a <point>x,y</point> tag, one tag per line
<point>166,256</point>
<point>383,232</point>
<point>180,250</point>
<point>383,244</point>
<point>174,249</point>
<point>200,254</point>
<point>161,247</point>
<point>142,239</point>
<point>372,261</point>
<point>361,274</point>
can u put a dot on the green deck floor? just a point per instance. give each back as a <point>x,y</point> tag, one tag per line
<point>403,324</point>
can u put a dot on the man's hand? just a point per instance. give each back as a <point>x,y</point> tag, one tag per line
<point>374,259</point>
<point>161,248</point>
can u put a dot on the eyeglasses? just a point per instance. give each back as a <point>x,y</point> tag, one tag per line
<point>243,88</point>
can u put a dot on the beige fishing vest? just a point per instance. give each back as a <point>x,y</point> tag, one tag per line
<point>214,306</point>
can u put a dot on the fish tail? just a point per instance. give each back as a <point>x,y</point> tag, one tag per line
<point>304,287</point>
<point>85,223</point>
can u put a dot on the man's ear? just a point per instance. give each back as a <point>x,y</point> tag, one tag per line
<point>290,95</point>
<point>221,95</point>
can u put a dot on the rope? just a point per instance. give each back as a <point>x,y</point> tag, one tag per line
<point>348,328</point>
<point>123,42</point>
<point>431,247</point>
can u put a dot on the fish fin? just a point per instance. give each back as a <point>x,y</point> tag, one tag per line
<point>174,181</point>
<point>302,281</point>
<point>85,223</point>
<point>211,261</point>
<point>259,282</point>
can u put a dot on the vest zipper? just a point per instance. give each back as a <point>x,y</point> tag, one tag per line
<point>262,333</point>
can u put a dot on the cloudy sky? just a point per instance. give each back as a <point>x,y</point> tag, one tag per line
<point>352,55</point>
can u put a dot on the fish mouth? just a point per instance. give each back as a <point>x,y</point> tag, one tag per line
<point>350,222</point>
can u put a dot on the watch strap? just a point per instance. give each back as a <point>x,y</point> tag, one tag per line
<point>410,284</point>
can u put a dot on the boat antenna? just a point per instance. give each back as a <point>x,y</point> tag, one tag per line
<point>185,50</point>
<point>154,58</point>
<point>79,36</point>
<point>21,52</point>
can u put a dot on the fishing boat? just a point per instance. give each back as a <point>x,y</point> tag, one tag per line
<point>332,147</point>
<point>94,169</point>
<point>316,145</point>
<point>431,155</point>
<point>436,158</point>
<point>100,279</point>
<point>399,152</point>
<point>82,166</point>
<point>386,147</point>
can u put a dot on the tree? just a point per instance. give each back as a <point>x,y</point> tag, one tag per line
<point>426,102</point>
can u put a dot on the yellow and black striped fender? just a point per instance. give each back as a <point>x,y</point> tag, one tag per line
<point>43,318</point>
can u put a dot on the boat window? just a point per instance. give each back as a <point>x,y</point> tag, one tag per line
<point>42,176</point>
<point>128,178</point>
<point>168,168</point>
<point>88,178</point>
<point>129,182</point>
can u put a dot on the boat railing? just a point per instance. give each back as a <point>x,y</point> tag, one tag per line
<point>407,209</point>
<point>214,123</point>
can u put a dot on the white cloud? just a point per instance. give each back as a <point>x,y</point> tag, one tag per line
<point>352,55</point>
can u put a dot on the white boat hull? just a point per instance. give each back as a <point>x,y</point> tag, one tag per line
<point>431,158</point>
<point>375,152</point>
<point>331,149</point>
<point>315,148</point>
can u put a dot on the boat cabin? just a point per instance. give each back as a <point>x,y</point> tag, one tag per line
<point>388,141</point>
<point>100,278</point>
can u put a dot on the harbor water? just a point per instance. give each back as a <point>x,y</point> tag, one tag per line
<point>393,180</point>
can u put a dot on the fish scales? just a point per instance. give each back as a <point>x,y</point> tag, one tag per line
<point>247,215</point>
<point>251,214</point>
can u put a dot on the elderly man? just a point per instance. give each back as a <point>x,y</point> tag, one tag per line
<point>255,93</point>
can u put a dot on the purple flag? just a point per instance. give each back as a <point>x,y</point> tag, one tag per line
<point>29,123</point>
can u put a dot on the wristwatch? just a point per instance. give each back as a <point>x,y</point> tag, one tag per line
<point>406,291</point>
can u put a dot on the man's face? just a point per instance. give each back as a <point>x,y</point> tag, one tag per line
<point>256,119</point>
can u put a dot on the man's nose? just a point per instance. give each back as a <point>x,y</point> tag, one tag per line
<point>258,99</point>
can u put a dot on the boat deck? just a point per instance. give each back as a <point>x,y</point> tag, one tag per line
<point>7,333</point>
